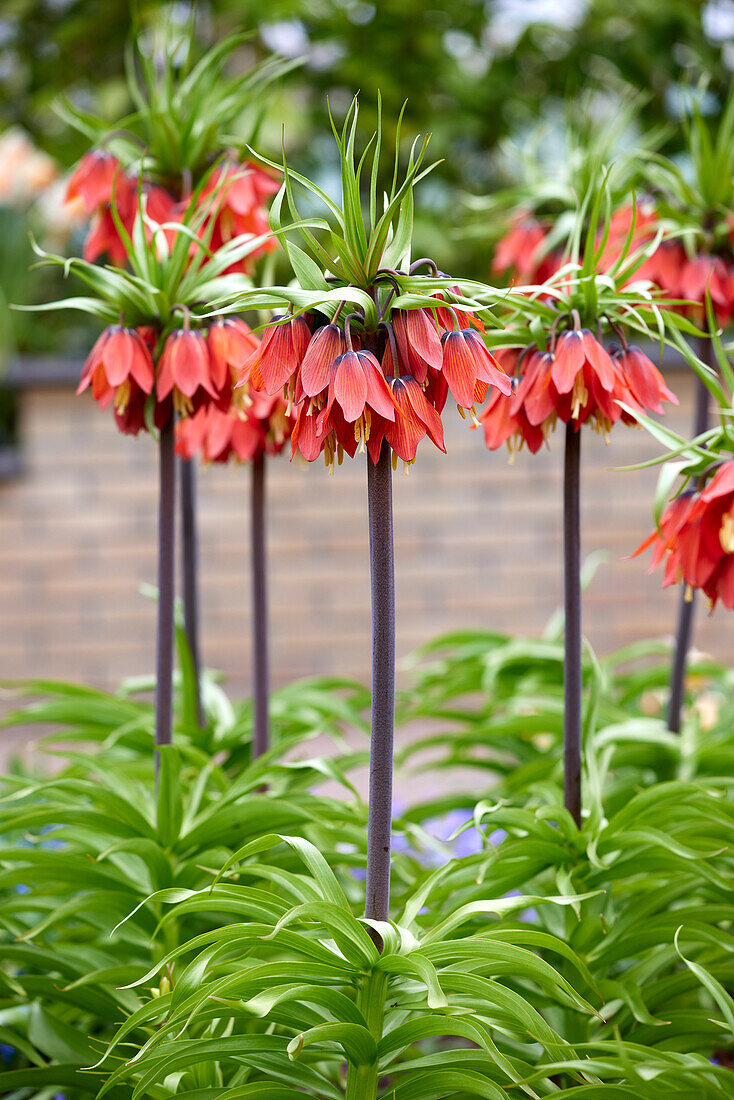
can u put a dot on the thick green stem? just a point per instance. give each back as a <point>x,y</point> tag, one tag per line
<point>362,1081</point>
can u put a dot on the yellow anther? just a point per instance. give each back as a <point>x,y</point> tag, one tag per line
<point>122,396</point>
<point>726,534</point>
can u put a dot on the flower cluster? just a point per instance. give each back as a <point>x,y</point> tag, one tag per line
<point>355,389</point>
<point>678,273</point>
<point>233,196</point>
<point>696,539</point>
<point>577,380</point>
<point>674,266</point>
<point>194,369</point>
<point>260,425</point>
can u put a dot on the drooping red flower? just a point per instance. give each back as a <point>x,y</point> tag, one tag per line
<point>278,356</point>
<point>119,362</point>
<point>259,426</point>
<point>419,342</point>
<point>696,539</point>
<point>522,254</point>
<point>231,343</point>
<point>235,196</point>
<point>92,180</point>
<point>185,370</point>
<point>415,417</point>
<point>238,194</point>
<point>702,274</point>
<point>618,237</point>
<point>643,379</point>
<point>326,345</point>
<point>507,421</point>
<point>469,368</point>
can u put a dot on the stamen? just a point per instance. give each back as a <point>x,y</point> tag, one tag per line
<point>182,404</point>
<point>122,396</point>
<point>580,396</point>
<point>726,534</point>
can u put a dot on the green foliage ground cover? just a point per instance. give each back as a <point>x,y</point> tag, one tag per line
<point>207,940</point>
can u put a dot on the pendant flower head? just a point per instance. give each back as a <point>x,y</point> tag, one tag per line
<point>92,181</point>
<point>523,254</point>
<point>370,346</point>
<point>119,369</point>
<point>579,382</point>
<point>238,195</point>
<point>231,343</point>
<point>279,355</point>
<point>695,539</point>
<point>187,372</point>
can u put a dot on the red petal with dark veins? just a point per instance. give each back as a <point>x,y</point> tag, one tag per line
<point>324,348</point>
<point>277,357</point>
<point>231,344</point>
<point>404,434</point>
<point>497,422</point>
<point>567,361</point>
<point>190,363</point>
<point>350,385</point>
<point>644,379</point>
<point>599,358</point>
<point>102,391</point>
<point>425,412</point>
<point>377,435</point>
<point>379,394</point>
<point>141,368</point>
<point>721,484</point>
<point>92,360</point>
<point>423,336</point>
<point>165,381</point>
<point>304,437</point>
<point>410,358</point>
<point>487,368</point>
<point>118,356</point>
<point>458,368</point>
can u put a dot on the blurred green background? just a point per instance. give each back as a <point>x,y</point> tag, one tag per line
<point>476,75</point>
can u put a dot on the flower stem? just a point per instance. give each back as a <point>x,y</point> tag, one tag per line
<point>572,605</point>
<point>260,667</point>
<point>382,573</point>
<point>362,1081</point>
<point>190,564</point>
<point>686,606</point>
<point>166,581</point>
